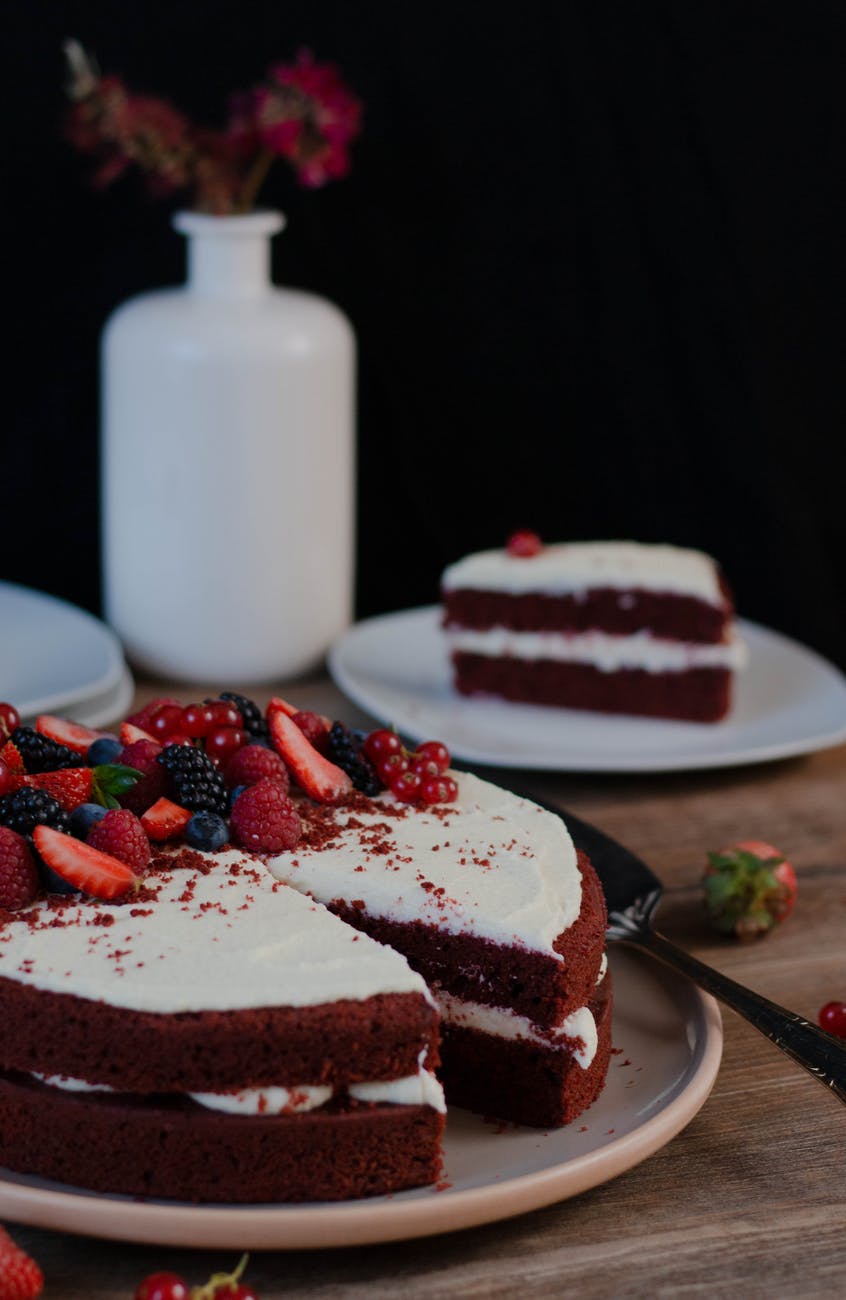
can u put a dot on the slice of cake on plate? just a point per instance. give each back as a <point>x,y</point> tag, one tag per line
<point>615,627</point>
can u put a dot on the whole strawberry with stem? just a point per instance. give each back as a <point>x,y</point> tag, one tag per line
<point>20,1276</point>
<point>750,887</point>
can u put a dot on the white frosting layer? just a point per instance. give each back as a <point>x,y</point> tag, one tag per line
<point>600,649</point>
<point>490,864</point>
<point>573,567</point>
<point>502,1023</point>
<point>421,1089</point>
<point>231,939</point>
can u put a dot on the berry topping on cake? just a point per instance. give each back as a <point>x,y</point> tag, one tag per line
<point>324,781</point>
<point>20,1276</point>
<point>9,780</point>
<point>40,753</point>
<point>18,872</point>
<point>129,733</point>
<point>315,728</point>
<point>832,1018</point>
<point>121,834</point>
<point>346,748</point>
<point>206,831</point>
<point>143,717</point>
<point>26,809</point>
<point>434,751</point>
<point>165,722</point>
<point>82,866</point>
<point>10,756</point>
<point>165,820</point>
<point>194,780</point>
<point>265,820</point>
<point>381,744</point>
<point>84,817</point>
<point>71,786</point>
<point>252,719</point>
<point>141,755</point>
<point>256,763</point>
<point>107,749</point>
<point>524,544</point>
<point>9,719</point>
<point>70,734</point>
<point>223,742</point>
<point>749,889</point>
<point>407,787</point>
<point>438,789</point>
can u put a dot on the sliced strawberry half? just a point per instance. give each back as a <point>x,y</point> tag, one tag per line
<point>64,732</point>
<point>71,786</point>
<point>278,705</point>
<point>11,756</point>
<point>313,773</point>
<point>129,733</point>
<point>165,820</point>
<point>84,867</point>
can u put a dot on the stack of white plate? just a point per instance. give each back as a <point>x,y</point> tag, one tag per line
<point>56,658</point>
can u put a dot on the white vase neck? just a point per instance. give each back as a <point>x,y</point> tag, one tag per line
<point>229,257</point>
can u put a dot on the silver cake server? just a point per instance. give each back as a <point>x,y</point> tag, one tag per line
<point>633,892</point>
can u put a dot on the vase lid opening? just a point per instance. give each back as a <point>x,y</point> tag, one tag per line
<point>260,222</point>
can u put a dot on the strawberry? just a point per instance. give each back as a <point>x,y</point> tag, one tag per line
<point>129,733</point>
<point>72,786</point>
<point>20,1276</point>
<point>11,756</point>
<point>86,868</point>
<point>165,820</point>
<point>72,734</point>
<point>278,705</point>
<point>313,773</point>
<point>18,872</point>
<point>749,888</point>
<point>315,728</point>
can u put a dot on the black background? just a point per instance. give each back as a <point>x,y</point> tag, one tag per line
<point>593,254</point>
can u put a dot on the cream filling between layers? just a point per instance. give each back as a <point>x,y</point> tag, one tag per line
<point>601,650</point>
<point>499,1022</point>
<point>567,568</point>
<point>420,1089</point>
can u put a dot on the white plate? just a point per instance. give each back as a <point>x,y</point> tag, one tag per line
<point>56,658</point>
<point>668,1041</point>
<point>788,701</point>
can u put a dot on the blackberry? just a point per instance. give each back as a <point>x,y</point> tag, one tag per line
<point>26,809</point>
<point>41,754</point>
<point>346,751</point>
<point>254,721</point>
<point>195,782</point>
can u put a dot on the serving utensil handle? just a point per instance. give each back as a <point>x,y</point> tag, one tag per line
<point>821,1054</point>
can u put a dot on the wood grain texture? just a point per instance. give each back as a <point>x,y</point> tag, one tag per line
<point>749,1200</point>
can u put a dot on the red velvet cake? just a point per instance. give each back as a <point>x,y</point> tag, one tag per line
<point>262,1021</point>
<point>616,627</point>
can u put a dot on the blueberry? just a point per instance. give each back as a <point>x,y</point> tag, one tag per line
<point>238,789</point>
<point>207,831</point>
<point>53,882</point>
<point>107,749</point>
<point>84,817</point>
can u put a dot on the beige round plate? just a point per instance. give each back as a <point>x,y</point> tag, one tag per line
<point>668,1040</point>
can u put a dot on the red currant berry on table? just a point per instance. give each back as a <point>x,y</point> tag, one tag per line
<point>434,790</point>
<point>223,742</point>
<point>523,544</point>
<point>406,786</point>
<point>379,744</point>
<point>178,738</point>
<point>424,766</point>
<point>832,1018</point>
<point>162,1286</point>
<point>436,752</point>
<point>9,719</point>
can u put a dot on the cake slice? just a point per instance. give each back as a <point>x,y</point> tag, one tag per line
<point>616,627</point>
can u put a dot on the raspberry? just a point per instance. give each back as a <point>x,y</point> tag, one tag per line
<point>20,1276</point>
<point>254,763</point>
<point>265,820</point>
<point>142,755</point>
<point>18,872</point>
<point>121,834</point>
<point>314,729</point>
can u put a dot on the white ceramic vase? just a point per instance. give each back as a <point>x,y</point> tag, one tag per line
<point>228,466</point>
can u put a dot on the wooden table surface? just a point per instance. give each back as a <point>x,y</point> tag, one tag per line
<point>749,1199</point>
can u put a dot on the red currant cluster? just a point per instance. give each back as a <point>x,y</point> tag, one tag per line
<point>416,776</point>
<point>218,724</point>
<point>9,719</point>
<point>832,1018</point>
<point>170,1286</point>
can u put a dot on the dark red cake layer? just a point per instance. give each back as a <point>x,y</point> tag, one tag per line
<point>520,1081</point>
<point>210,1051</point>
<point>677,618</point>
<point>480,970</point>
<point>697,695</point>
<point>169,1148</point>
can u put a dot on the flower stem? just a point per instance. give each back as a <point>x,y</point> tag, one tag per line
<point>256,177</point>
